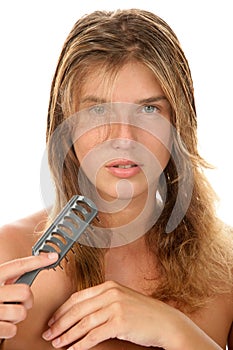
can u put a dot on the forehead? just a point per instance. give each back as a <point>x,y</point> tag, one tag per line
<point>127,84</point>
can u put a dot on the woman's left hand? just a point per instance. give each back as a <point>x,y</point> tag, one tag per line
<point>111,310</point>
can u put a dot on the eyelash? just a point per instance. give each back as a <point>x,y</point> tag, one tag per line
<point>101,109</point>
<point>155,108</point>
<point>97,108</point>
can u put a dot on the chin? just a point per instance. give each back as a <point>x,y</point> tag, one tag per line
<point>123,190</point>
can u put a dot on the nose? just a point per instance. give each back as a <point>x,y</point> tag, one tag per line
<point>122,136</point>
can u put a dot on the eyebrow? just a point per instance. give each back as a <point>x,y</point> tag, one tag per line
<point>92,98</point>
<point>152,99</point>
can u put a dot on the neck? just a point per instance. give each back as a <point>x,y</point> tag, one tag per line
<point>128,220</point>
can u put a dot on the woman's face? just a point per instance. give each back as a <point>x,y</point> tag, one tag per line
<point>123,138</point>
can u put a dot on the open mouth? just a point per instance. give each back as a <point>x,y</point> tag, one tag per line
<point>122,164</point>
<point>123,168</point>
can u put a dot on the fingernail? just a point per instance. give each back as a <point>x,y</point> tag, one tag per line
<point>53,256</point>
<point>56,342</point>
<point>51,321</point>
<point>46,335</point>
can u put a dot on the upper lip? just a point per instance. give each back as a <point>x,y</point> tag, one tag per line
<point>121,162</point>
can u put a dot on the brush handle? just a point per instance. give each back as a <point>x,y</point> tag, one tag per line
<point>28,277</point>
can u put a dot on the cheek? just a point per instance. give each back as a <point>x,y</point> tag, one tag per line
<point>86,143</point>
<point>91,154</point>
<point>160,156</point>
<point>88,138</point>
<point>81,149</point>
<point>160,146</point>
<point>163,155</point>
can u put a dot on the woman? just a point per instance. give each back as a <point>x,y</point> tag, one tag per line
<point>122,130</point>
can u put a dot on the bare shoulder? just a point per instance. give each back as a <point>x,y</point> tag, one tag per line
<point>17,238</point>
<point>50,289</point>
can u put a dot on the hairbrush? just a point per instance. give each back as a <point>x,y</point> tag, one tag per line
<point>69,225</point>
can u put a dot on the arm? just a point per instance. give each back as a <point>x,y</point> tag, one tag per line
<point>110,310</point>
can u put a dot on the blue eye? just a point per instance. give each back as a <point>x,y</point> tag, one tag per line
<point>149,109</point>
<point>98,109</point>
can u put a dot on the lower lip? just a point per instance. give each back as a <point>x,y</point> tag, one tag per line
<point>124,173</point>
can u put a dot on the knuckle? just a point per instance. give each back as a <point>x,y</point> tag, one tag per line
<point>25,292</point>
<point>111,284</point>
<point>21,264</point>
<point>13,330</point>
<point>90,321</point>
<point>117,308</point>
<point>65,337</point>
<point>114,293</point>
<point>8,330</point>
<point>17,264</point>
<point>62,324</point>
<point>21,313</point>
<point>74,298</point>
<point>92,337</point>
<point>15,313</point>
<point>85,323</point>
<point>58,326</point>
<point>74,312</point>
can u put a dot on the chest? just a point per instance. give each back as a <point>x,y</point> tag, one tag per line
<point>134,268</point>
<point>139,273</point>
<point>51,289</point>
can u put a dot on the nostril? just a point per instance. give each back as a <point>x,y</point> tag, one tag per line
<point>122,143</point>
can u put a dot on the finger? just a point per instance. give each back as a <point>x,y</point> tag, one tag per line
<point>94,337</point>
<point>74,315</point>
<point>17,292</point>
<point>12,313</point>
<point>81,296</point>
<point>76,298</point>
<point>81,329</point>
<point>16,268</point>
<point>7,330</point>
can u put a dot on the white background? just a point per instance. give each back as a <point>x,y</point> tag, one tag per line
<point>31,36</point>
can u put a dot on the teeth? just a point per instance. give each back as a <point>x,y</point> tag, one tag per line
<point>125,166</point>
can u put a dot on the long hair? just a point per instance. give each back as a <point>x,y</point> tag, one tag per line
<point>194,260</point>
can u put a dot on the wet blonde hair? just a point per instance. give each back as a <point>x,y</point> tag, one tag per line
<point>194,261</point>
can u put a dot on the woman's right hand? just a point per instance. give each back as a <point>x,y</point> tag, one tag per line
<point>17,299</point>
